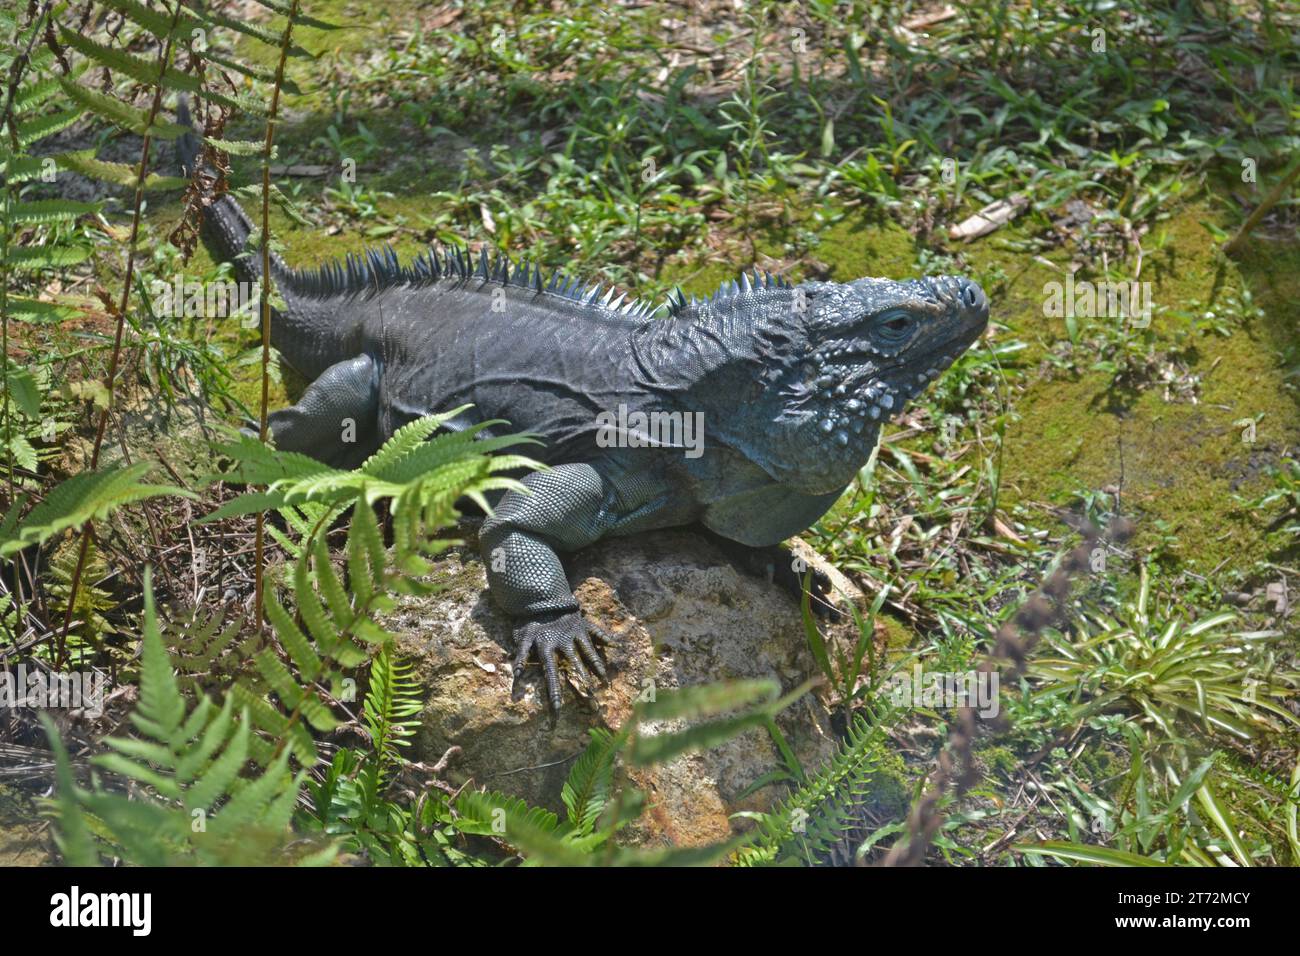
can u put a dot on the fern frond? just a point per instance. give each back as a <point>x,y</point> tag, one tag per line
<point>406,439</point>
<point>147,72</point>
<point>391,697</point>
<point>119,113</point>
<point>119,174</point>
<point>35,130</point>
<point>90,495</point>
<point>299,18</point>
<point>34,310</point>
<point>198,806</point>
<point>35,258</point>
<point>587,789</point>
<point>71,834</point>
<point>22,169</point>
<point>216,19</point>
<point>488,813</point>
<point>811,821</point>
<point>235,147</point>
<point>50,210</point>
<point>31,95</point>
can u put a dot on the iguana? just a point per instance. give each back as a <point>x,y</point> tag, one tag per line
<point>790,382</point>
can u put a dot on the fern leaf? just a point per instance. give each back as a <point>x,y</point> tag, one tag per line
<point>35,258</point>
<point>71,834</point>
<point>299,18</point>
<point>251,70</point>
<point>365,554</point>
<point>158,24</point>
<point>160,694</point>
<point>216,780</point>
<point>124,766</point>
<point>22,169</point>
<point>119,174</point>
<point>90,495</point>
<point>43,211</point>
<point>37,129</point>
<point>259,464</point>
<point>147,72</point>
<point>24,390</point>
<point>236,147</point>
<point>406,439</point>
<point>248,807</point>
<point>31,95</point>
<point>34,310</point>
<point>587,788</point>
<point>330,585</point>
<point>391,696</point>
<point>121,114</point>
<point>250,30</point>
<point>287,631</point>
<point>213,735</point>
<point>708,699</point>
<point>277,675</point>
<point>488,813</point>
<point>822,806</point>
<point>318,623</point>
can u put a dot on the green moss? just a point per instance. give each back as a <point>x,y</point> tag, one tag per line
<point>859,244</point>
<point>1000,760</point>
<point>889,789</point>
<point>1175,464</point>
<point>897,634</point>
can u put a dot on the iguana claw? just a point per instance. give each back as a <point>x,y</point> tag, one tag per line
<point>569,633</point>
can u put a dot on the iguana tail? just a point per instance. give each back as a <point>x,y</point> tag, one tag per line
<point>229,225</point>
<point>309,337</point>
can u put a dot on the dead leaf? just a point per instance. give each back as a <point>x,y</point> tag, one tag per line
<point>442,18</point>
<point>1002,528</point>
<point>923,20</point>
<point>989,218</point>
<point>300,170</point>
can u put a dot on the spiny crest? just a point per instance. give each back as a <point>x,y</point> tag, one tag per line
<point>378,269</point>
<point>747,283</point>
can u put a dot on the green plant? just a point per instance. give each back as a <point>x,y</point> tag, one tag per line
<point>206,808</point>
<point>302,673</point>
<point>1166,673</point>
<point>816,817</point>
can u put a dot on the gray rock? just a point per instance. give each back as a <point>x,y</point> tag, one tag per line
<point>683,616</point>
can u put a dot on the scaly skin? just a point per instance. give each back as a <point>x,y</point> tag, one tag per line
<point>793,384</point>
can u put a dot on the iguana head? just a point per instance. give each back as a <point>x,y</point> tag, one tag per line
<point>810,372</point>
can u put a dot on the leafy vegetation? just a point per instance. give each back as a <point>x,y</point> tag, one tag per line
<point>651,146</point>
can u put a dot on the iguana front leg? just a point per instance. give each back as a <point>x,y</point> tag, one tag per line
<point>568,507</point>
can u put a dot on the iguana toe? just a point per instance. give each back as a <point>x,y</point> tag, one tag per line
<point>568,633</point>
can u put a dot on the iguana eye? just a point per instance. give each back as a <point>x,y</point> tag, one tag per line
<point>895,325</point>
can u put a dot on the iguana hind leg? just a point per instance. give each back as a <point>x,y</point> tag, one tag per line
<point>336,419</point>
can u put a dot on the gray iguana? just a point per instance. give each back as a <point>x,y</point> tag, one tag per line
<point>790,382</point>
